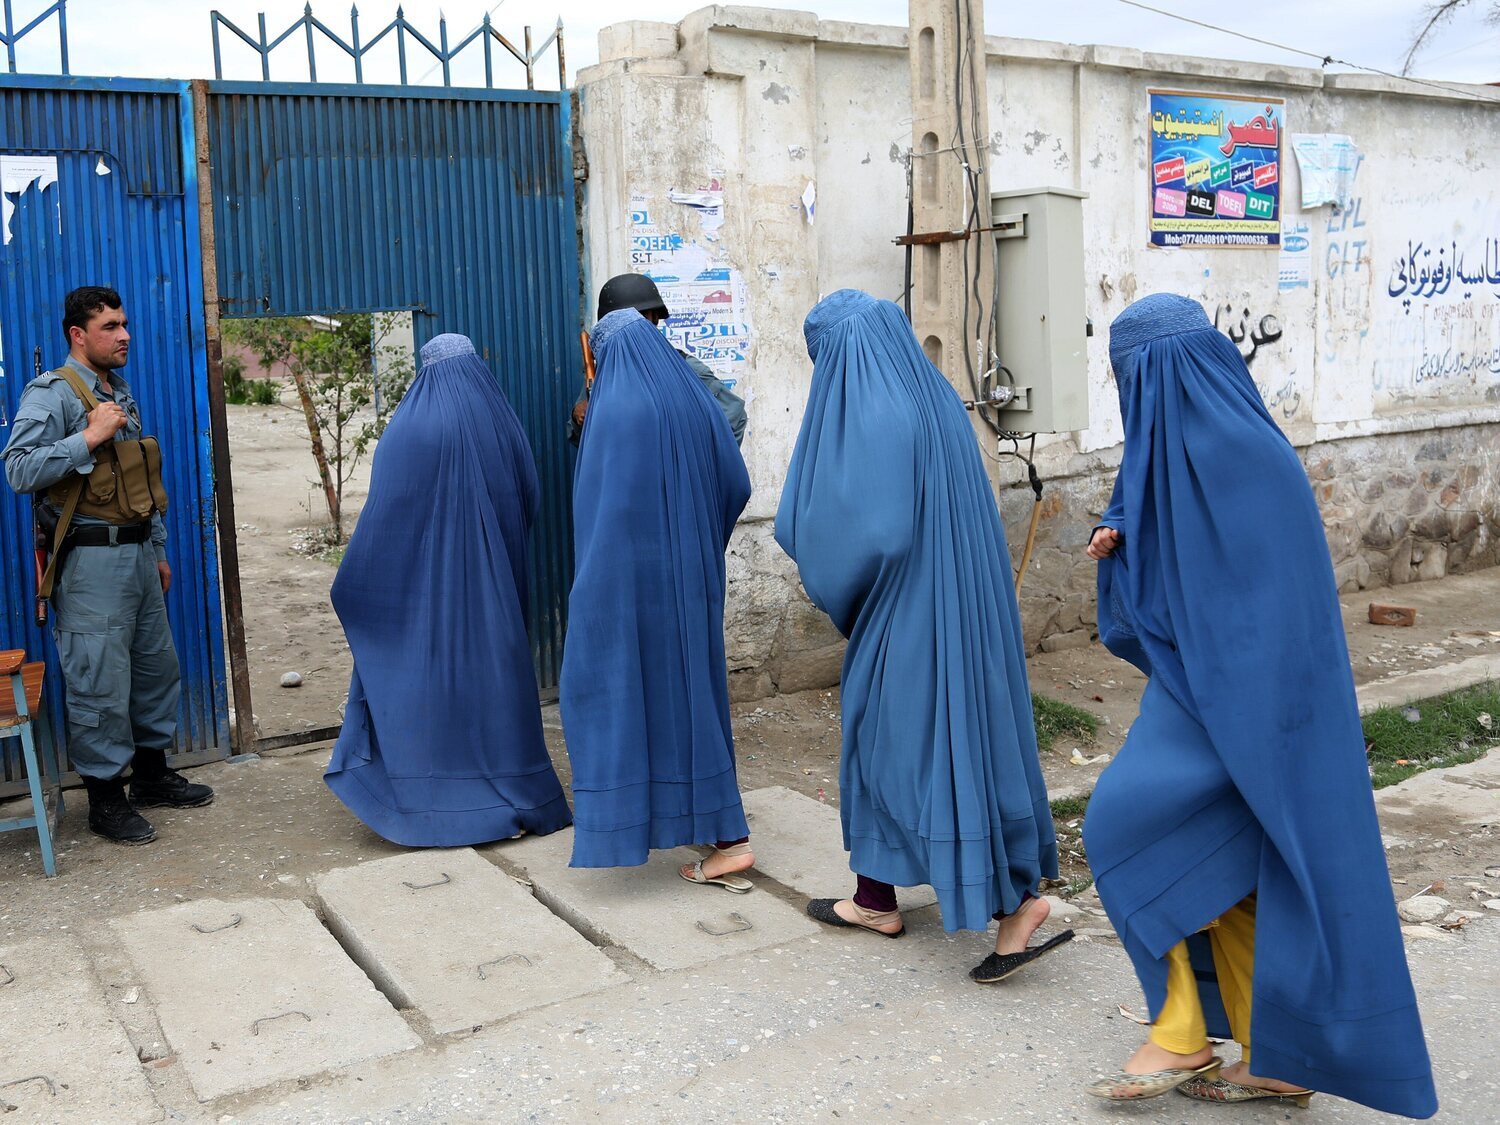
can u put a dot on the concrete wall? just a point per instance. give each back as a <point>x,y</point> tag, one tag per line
<point>1394,401</point>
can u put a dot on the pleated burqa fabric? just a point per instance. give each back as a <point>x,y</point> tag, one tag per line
<point>442,739</point>
<point>645,697</point>
<point>1246,770</point>
<point>888,513</point>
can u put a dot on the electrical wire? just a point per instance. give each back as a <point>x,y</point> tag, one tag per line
<point>1324,60</point>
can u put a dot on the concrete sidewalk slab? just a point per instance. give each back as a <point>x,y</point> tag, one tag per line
<point>800,843</point>
<point>453,936</point>
<point>1468,795</point>
<point>63,1056</point>
<point>254,991</point>
<point>649,910</point>
<point>1424,684</point>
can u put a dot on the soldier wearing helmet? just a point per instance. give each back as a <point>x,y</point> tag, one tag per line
<point>636,291</point>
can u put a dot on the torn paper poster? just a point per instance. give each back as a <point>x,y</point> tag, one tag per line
<point>1296,256</point>
<point>1328,163</point>
<point>17,174</point>
<point>810,201</point>
<point>706,296</point>
<point>707,202</point>
<point>101,169</point>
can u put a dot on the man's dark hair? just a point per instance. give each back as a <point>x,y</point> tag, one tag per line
<point>80,305</point>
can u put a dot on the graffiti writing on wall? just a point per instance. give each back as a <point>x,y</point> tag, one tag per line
<point>1430,272</point>
<point>1286,398</point>
<point>1248,332</point>
<point>1251,334</point>
<point>1448,352</point>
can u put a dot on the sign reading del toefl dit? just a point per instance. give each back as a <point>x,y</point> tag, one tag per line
<point>1215,169</point>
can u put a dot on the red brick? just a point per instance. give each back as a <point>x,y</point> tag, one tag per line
<point>1392,614</point>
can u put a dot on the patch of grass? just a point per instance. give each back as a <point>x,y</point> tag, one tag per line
<point>1068,808</point>
<point>1447,730</point>
<point>1055,719</point>
<point>1077,885</point>
<point>334,555</point>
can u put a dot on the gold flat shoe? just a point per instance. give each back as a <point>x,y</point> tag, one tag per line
<point>1218,1089</point>
<point>1122,1087</point>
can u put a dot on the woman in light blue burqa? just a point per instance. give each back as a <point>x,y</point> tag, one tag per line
<point>889,516</point>
<point>1234,839</point>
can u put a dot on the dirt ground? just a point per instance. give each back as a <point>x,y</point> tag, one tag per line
<point>290,625</point>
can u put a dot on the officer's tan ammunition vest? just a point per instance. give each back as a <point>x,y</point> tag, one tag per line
<point>125,484</point>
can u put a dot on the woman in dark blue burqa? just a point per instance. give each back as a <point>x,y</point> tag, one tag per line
<point>645,698</point>
<point>888,513</point>
<point>442,740</point>
<point>1234,839</point>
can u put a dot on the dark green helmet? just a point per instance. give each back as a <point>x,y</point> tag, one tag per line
<point>631,291</point>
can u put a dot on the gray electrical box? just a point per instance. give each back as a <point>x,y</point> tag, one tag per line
<point>1043,326</point>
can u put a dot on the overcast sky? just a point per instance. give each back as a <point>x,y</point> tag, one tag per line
<point>171,38</point>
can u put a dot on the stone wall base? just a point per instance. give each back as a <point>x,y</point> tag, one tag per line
<point>1396,507</point>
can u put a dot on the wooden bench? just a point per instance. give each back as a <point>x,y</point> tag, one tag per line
<point>21,714</point>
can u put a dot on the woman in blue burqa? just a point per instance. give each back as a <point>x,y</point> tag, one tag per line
<point>442,740</point>
<point>1234,839</point>
<point>888,513</point>
<point>645,699</point>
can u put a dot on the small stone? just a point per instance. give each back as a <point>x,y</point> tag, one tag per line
<point>1493,904</point>
<point>1492,872</point>
<point>291,679</point>
<point>1061,911</point>
<point>1423,908</point>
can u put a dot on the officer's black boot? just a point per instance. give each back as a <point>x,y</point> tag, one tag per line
<point>111,816</point>
<point>152,784</point>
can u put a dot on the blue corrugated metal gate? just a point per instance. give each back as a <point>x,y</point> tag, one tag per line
<point>123,212</point>
<point>456,204</point>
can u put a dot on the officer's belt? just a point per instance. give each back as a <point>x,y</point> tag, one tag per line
<point>95,535</point>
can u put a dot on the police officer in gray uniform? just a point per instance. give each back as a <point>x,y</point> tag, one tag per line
<point>636,291</point>
<point>77,440</point>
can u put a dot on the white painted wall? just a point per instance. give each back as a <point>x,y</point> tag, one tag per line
<point>775,100</point>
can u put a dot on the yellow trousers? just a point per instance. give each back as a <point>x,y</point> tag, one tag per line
<point>1179,1027</point>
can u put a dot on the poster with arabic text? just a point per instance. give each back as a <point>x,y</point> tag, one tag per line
<point>1215,169</point>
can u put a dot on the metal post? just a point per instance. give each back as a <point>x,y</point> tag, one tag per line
<point>10,38</point>
<point>312,56</point>
<point>401,41</point>
<point>530,80</point>
<point>229,550</point>
<point>562,58</point>
<point>489,60</point>
<point>62,32</point>
<point>443,48</point>
<point>359,56</point>
<point>265,51</point>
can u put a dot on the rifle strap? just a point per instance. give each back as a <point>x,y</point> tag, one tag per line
<point>49,576</point>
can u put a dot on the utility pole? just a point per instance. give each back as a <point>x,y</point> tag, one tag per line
<point>952,262</point>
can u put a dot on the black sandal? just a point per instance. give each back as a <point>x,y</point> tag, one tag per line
<point>997,966</point>
<point>822,909</point>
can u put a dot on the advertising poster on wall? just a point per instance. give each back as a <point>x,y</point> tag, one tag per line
<point>707,297</point>
<point>1215,169</point>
